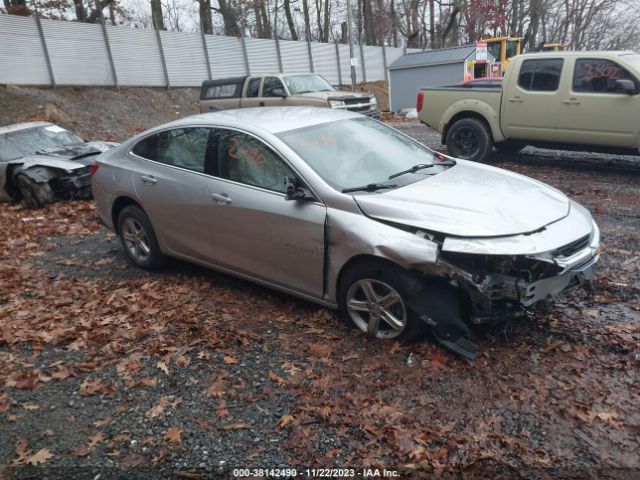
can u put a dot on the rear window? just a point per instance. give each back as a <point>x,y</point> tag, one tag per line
<point>540,75</point>
<point>228,90</point>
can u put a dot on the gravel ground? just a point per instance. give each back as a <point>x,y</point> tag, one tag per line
<point>187,373</point>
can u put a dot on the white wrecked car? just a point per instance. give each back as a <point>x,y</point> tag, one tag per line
<point>42,163</point>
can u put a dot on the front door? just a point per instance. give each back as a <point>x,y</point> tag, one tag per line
<point>593,113</point>
<point>255,230</point>
<point>530,102</point>
<point>251,97</point>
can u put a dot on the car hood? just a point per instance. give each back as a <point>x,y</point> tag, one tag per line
<point>470,200</point>
<point>336,95</point>
<point>82,152</point>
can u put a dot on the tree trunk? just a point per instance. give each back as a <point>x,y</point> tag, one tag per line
<point>229,17</point>
<point>307,22</point>
<point>369,29</point>
<point>156,15</point>
<point>205,17</point>
<point>327,20</point>
<point>81,13</point>
<point>292,26</point>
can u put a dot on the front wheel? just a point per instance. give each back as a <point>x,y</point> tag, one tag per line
<point>138,238</point>
<point>374,300</point>
<point>469,139</point>
<point>34,194</point>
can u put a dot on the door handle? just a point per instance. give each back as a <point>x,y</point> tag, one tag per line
<point>516,100</point>
<point>571,101</point>
<point>221,198</point>
<point>148,180</point>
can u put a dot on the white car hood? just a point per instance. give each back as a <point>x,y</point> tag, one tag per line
<point>470,200</point>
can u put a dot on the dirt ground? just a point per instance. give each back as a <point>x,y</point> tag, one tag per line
<point>187,373</point>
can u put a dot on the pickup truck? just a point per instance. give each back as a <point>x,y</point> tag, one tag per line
<point>282,90</point>
<point>586,101</point>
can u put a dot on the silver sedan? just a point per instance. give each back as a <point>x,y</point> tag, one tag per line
<point>347,212</point>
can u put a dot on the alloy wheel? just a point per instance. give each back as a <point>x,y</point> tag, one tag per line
<point>135,239</point>
<point>377,308</point>
<point>466,141</point>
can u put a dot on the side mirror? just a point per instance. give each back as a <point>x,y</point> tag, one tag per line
<point>296,190</point>
<point>625,86</point>
<point>278,92</point>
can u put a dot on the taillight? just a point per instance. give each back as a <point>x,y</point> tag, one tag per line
<point>419,101</point>
<point>93,168</point>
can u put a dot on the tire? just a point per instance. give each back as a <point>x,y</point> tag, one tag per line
<point>34,194</point>
<point>386,281</point>
<point>509,147</point>
<point>469,139</point>
<point>138,238</point>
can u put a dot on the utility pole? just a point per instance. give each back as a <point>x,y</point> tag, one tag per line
<point>352,59</point>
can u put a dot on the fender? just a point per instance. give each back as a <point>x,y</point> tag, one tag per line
<point>478,107</point>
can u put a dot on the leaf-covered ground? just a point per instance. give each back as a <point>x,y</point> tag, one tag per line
<point>106,369</point>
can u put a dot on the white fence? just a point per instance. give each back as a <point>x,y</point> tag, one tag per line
<point>52,52</point>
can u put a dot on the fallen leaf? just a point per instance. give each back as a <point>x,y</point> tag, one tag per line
<point>276,378</point>
<point>163,366</point>
<point>173,435</point>
<point>285,420</point>
<point>217,389</point>
<point>320,348</point>
<point>230,360</point>
<point>131,460</point>
<point>39,457</point>
<point>236,426</point>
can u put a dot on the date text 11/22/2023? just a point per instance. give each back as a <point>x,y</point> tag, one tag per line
<point>314,473</point>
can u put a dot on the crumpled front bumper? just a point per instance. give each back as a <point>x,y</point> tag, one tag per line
<point>76,184</point>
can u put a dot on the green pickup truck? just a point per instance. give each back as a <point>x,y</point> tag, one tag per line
<point>587,101</point>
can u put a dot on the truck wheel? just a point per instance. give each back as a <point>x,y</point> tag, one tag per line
<point>469,139</point>
<point>34,194</point>
<point>509,147</point>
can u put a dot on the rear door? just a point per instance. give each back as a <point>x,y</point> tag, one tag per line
<point>169,180</point>
<point>255,229</point>
<point>592,112</point>
<point>251,97</point>
<point>530,102</point>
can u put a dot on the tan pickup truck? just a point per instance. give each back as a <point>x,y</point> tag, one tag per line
<point>586,101</point>
<point>282,90</point>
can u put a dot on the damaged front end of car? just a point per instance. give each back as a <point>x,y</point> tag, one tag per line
<point>455,282</point>
<point>497,288</point>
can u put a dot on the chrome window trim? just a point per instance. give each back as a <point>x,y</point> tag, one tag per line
<point>318,199</point>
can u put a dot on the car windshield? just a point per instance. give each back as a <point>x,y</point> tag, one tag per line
<point>358,151</point>
<point>19,143</point>
<point>307,83</point>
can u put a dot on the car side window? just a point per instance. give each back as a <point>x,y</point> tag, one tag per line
<point>244,159</point>
<point>269,85</point>
<point>598,76</point>
<point>146,148</point>
<point>540,75</point>
<point>179,147</point>
<point>253,88</point>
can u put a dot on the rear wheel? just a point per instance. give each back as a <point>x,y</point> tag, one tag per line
<point>469,139</point>
<point>374,300</point>
<point>34,194</point>
<point>509,147</point>
<point>138,238</point>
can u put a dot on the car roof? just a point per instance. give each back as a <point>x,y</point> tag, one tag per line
<point>22,126</point>
<point>271,119</point>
